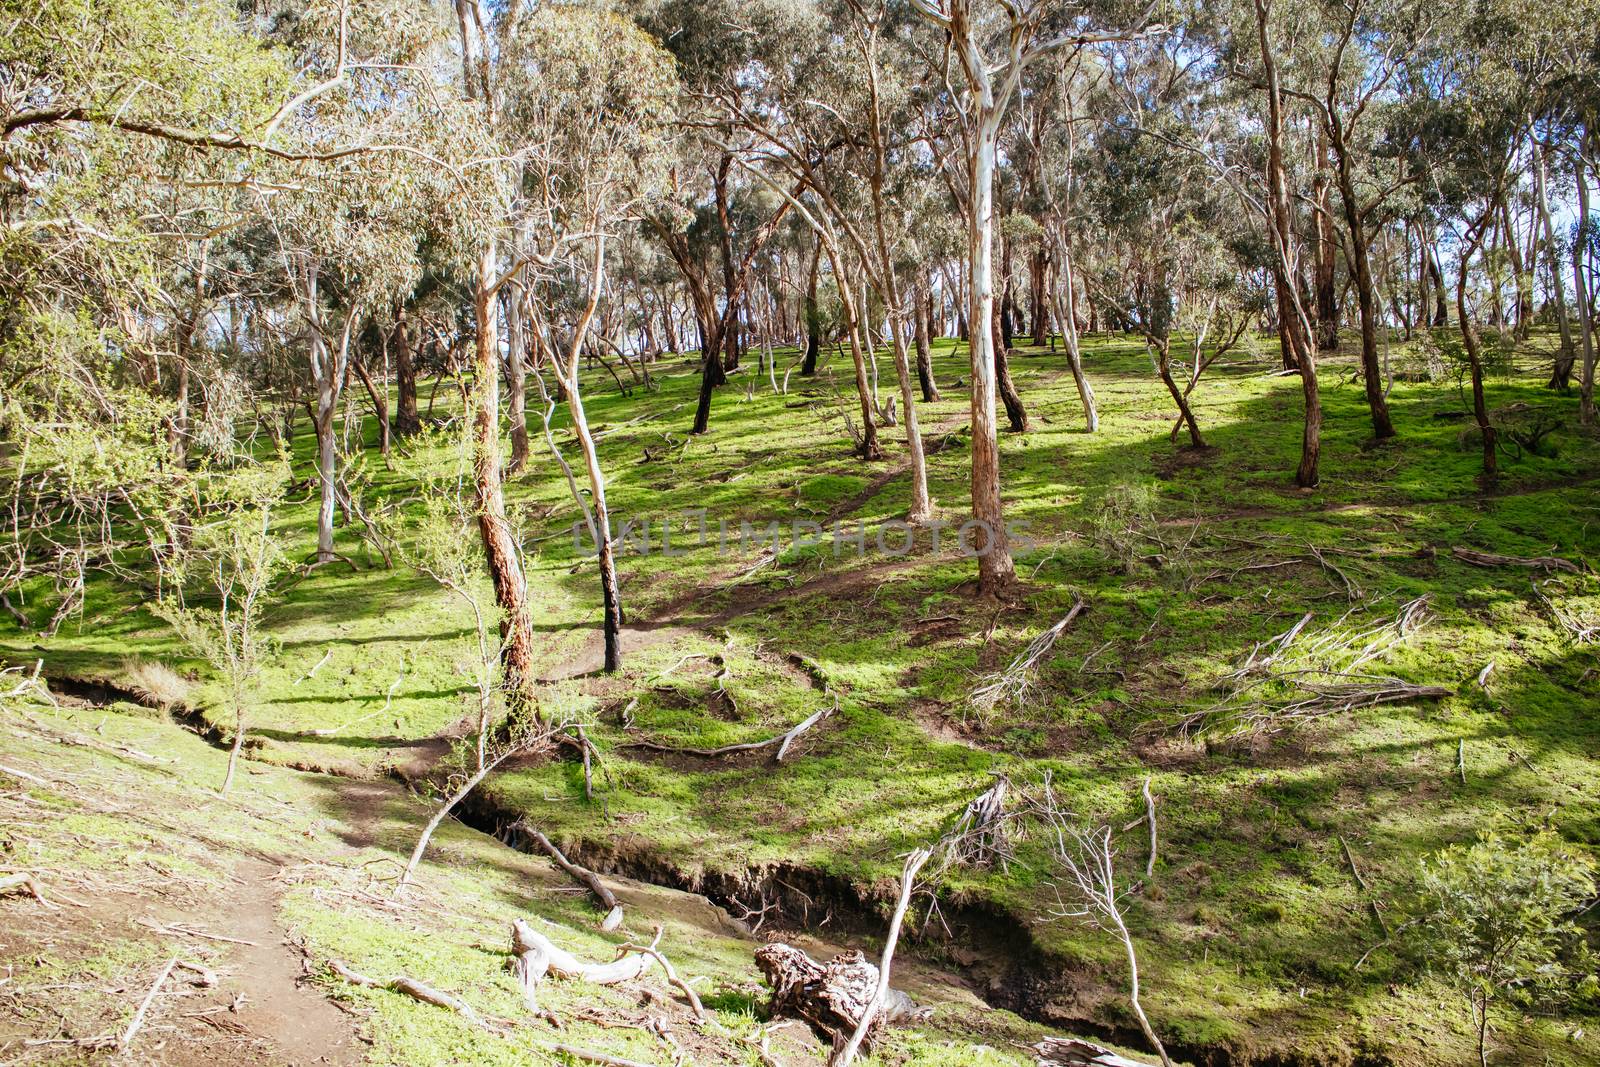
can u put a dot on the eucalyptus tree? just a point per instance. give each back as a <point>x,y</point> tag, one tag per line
<point>1018,34</point>
<point>719,219</point>
<point>592,98</point>
<point>1350,85</point>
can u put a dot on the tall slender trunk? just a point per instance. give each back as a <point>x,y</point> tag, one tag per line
<point>1291,314</point>
<point>500,548</point>
<point>1561,373</point>
<point>1382,425</point>
<point>1327,292</point>
<point>867,447</point>
<point>517,376</point>
<point>813,316</point>
<point>1584,297</point>
<point>996,571</point>
<point>924,319</point>
<point>406,419</point>
<point>1469,340</point>
<point>1066,314</point>
<point>1038,268</point>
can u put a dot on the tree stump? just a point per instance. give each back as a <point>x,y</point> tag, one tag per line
<point>830,996</point>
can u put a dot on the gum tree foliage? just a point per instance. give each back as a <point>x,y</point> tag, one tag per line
<point>1498,921</point>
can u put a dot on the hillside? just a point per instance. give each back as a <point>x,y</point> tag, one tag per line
<point>1258,943</point>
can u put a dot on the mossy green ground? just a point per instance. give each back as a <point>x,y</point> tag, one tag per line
<point>1252,926</point>
<point>130,833</point>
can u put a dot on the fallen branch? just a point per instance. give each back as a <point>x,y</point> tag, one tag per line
<point>783,740</point>
<point>1361,883</point>
<point>414,989</point>
<point>1494,559</point>
<point>27,883</point>
<point>1012,685</point>
<point>1150,816</point>
<point>602,892</point>
<point>535,955</point>
<point>144,1005</point>
<point>672,975</point>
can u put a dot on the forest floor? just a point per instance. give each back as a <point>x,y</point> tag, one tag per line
<point>1250,930</point>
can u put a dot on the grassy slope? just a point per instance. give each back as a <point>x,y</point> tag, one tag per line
<point>1253,924</point>
<point>131,839</point>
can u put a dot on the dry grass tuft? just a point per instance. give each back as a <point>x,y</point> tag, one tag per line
<point>157,684</point>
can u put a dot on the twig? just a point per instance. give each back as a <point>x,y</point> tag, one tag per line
<point>1494,559</point>
<point>414,989</point>
<point>312,673</point>
<point>1461,759</point>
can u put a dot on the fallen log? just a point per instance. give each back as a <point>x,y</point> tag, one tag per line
<point>1075,1052</point>
<point>831,996</point>
<point>534,955</point>
<point>1494,559</point>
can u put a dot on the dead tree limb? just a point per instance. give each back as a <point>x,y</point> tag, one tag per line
<point>1150,817</point>
<point>602,892</point>
<point>1494,559</point>
<point>908,881</point>
<point>535,955</point>
<point>672,976</point>
<point>414,989</point>
<point>144,1005</point>
<point>783,740</point>
<point>1013,684</point>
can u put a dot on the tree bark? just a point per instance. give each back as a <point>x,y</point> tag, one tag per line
<point>1469,340</point>
<point>1326,250</point>
<point>1583,296</point>
<point>407,421</point>
<point>813,316</point>
<point>500,548</point>
<point>1382,425</point>
<point>924,317</point>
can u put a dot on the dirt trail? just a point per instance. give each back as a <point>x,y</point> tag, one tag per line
<point>304,1026</point>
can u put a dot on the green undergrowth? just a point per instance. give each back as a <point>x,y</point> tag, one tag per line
<point>1252,926</point>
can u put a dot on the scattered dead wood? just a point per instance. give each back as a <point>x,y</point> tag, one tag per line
<point>601,891</point>
<point>1012,685</point>
<point>1494,559</point>
<point>183,930</point>
<point>831,997</point>
<point>1294,678</point>
<point>417,991</point>
<point>1361,884</point>
<point>1581,630</point>
<point>783,740</point>
<point>77,740</point>
<point>1074,1052</point>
